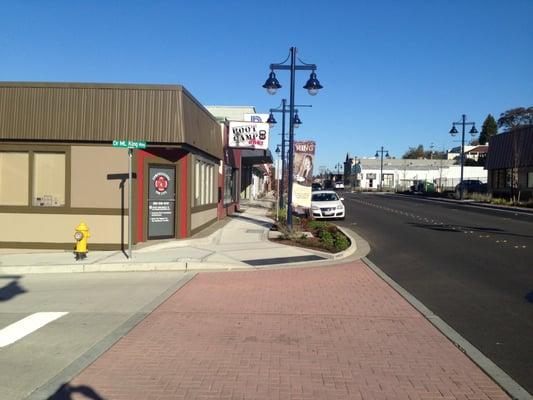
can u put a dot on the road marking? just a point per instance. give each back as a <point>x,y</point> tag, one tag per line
<point>25,326</point>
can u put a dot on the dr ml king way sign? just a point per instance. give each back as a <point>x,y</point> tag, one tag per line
<point>248,135</point>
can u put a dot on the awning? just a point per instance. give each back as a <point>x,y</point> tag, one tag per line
<point>252,157</point>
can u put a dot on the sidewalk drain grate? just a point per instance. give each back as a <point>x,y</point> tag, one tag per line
<point>282,260</point>
<point>254,230</point>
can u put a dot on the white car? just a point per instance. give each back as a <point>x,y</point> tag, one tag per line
<point>339,185</point>
<point>327,204</point>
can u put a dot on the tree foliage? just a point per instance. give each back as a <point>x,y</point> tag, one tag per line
<point>418,152</point>
<point>414,153</point>
<point>488,130</point>
<point>516,117</point>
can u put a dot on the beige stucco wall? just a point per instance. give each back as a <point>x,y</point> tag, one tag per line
<point>58,228</point>
<point>202,217</point>
<point>90,166</point>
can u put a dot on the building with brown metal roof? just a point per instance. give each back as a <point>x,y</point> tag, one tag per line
<point>510,164</point>
<point>58,166</point>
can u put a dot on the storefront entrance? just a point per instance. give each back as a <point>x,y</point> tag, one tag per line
<point>161,201</point>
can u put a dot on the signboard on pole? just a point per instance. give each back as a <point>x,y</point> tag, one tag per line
<point>301,195</point>
<point>130,144</point>
<point>248,135</point>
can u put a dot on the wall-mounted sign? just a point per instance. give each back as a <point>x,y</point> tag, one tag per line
<point>248,135</point>
<point>256,117</point>
<point>161,202</point>
<point>130,144</point>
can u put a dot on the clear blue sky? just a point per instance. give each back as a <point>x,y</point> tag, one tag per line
<point>396,73</point>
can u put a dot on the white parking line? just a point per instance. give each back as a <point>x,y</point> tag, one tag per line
<point>25,326</point>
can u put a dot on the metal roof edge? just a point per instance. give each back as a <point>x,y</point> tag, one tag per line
<point>92,85</point>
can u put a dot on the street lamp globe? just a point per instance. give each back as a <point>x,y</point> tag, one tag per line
<point>313,85</point>
<point>473,131</point>
<point>453,131</point>
<point>271,121</point>
<point>297,122</point>
<point>376,155</point>
<point>272,84</point>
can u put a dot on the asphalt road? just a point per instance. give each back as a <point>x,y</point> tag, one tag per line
<point>472,267</point>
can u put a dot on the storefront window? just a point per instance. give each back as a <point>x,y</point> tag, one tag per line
<point>49,179</point>
<point>14,178</point>
<point>229,184</point>
<point>204,183</point>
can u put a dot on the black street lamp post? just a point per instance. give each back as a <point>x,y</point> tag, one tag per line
<point>272,85</point>
<point>381,170</point>
<point>454,132</point>
<point>272,121</point>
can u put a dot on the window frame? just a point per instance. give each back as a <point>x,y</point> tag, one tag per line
<point>204,183</point>
<point>31,150</point>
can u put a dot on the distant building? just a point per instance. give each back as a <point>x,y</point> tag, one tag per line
<point>471,152</point>
<point>401,174</point>
<point>510,164</point>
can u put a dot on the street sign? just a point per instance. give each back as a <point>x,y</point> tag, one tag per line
<point>130,144</point>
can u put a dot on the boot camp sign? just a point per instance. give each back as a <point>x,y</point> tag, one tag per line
<point>248,135</point>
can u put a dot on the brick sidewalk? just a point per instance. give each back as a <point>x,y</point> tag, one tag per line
<point>312,333</point>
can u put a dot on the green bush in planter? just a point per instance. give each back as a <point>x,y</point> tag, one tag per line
<point>341,241</point>
<point>327,238</point>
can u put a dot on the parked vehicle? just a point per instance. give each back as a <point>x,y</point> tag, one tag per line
<point>315,187</point>
<point>327,204</point>
<point>423,186</point>
<point>471,186</point>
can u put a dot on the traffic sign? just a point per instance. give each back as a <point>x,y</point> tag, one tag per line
<point>130,144</point>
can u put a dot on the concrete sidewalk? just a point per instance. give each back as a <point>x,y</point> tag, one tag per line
<point>336,332</point>
<point>241,243</point>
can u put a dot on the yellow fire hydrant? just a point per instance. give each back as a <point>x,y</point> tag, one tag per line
<point>81,235</point>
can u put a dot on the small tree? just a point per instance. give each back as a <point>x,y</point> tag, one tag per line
<point>488,130</point>
<point>516,117</point>
<point>414,153</point>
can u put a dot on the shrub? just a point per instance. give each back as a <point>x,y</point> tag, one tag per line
<point>327,238</point>
<point>316,225</point>
<point>341,241</point>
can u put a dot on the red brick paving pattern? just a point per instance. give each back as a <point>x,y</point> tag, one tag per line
<point>335,332</point>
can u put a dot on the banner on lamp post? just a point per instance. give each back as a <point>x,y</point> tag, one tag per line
<point>304,154</point>
<point>301,195</point>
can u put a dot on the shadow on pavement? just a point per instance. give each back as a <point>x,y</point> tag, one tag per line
<point>264,224</point>
<point>12,289</point>
<point>66,391</point>
<point>458,228</point>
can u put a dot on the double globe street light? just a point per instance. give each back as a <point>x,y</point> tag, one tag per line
<point>381,170</point>
<point>272,85</point>
<point>454,132</point>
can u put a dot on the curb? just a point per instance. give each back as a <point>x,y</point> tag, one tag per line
<point>499,376</point>
<point>120,267</point>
